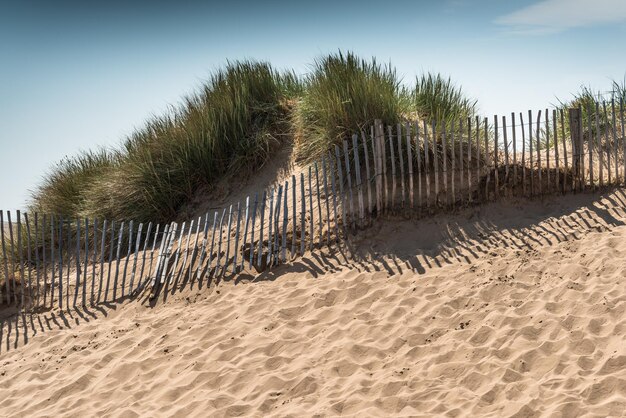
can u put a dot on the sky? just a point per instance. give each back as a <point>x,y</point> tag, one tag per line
<point>78,75</point>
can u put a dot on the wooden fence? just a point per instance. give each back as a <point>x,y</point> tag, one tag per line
<point>410,169</point>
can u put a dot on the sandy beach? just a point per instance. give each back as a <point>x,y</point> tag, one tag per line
<point>511,309</point>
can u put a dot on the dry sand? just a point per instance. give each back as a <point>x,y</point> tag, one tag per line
<point>512,309</point>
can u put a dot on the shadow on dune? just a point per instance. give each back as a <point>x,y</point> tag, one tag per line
<point>17,328</point>
<point>394,246</point>
<point>397,245</point>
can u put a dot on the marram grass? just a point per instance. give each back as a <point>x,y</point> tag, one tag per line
<point>438,99</point>
<point>231,126</point>
<point>344,94</point>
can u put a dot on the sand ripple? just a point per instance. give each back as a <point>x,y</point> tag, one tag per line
<point>510,310</point>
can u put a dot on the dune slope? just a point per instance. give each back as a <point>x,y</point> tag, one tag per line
<point>512,309</point>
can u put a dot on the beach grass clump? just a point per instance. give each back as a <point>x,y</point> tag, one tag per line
<point>619,91</point>
<point>64,188</point>
<point>343,95</point>
<point>598,110</point>
<point>437,99</point>
<point>229,127</point>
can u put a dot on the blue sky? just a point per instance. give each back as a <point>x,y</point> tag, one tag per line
<point>75,76</point>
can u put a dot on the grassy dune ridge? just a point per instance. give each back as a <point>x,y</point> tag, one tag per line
<point>231,124</point>
<point>230,127</point>
<point>234,123</point>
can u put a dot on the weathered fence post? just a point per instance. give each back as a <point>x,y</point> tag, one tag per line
<point>521,122</point>
<point>359,184</point>
<point>327,199</point>
<point>556,151</point>
<point>435,161</point>
<point>607,144</point>
<point>453,163</point>
<point>575,135</point>
<point>418,154</point>
<point>53,261</point>
<point>60,259</point>
<point>565,153</point>
<point>599,141</point>
<point>28,260</point>
<point>110,260</point>
<point>194,251</point>
<point>245,235</point>
<point>469,159</point>
<point>393,167</point>
<point>547,121</point>
<point>294,215</point>
<point>506,153</point>
<point>383,156</point>
<point>285,221</point>
<point>311,225</point>
<point>496,179</point>
<point>333,194</point>
<point>444,164</point>
<point>43,254</point>
<point>37,269</point>
<point>531,152</point>
<point>78,269</point>
<point>478,156</point>
<point>84,295</point>
<point>69,259</point>
<point>143,258</point>
<point>160,255</point>
<point>128,252</point>
<point>367,173</point>
<point>615,143</point>
<point>319,203</point>
<point>261,226</point>
<point>426,165</point>
<point>590,145</point>
<point>514,149</point>
<point>538,137</point>
<point>487,162</point>
<point>134,267</point>
<point>271,257</point>
<point>401,158</point>
<point>4,260</point>
<point>168,253</point>
<point>207,270</point>
<point>228,232</point>
<point>621,118</point>
<point>236,249</point>
<point>254,210</point>
<point>102,249</point>
<point>341,193</point>
<point>378,163</point>
<point>117,261</point>
<point>94,261</point>
<point>184,249</point>
<point>228,228</point>
<point>20,257</point>
<point>461,157</point>
<point>409,153</point>
<point>154,241</point>
<point>303,215</point>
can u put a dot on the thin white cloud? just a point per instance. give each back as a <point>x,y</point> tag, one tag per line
<point>549,16</point>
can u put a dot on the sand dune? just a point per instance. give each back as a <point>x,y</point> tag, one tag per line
<point>512,309</point>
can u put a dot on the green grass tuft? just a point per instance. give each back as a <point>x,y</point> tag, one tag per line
<point>343,95</point>
<point>230,126</point>
<point>438,99</point>
<point>63,190</point>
